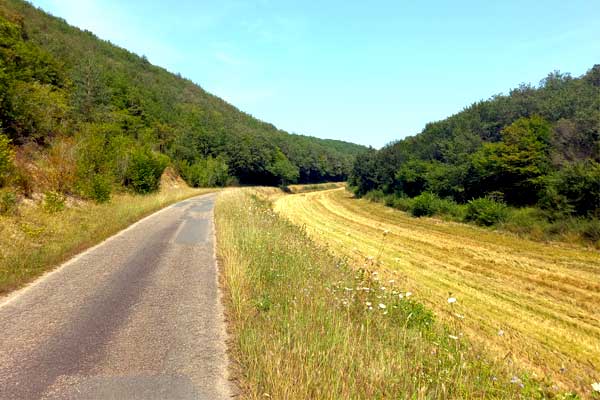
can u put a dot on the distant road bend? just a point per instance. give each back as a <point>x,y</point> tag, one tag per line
<point>137,317</point>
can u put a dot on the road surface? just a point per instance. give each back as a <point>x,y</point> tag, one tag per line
<point>137,317</point>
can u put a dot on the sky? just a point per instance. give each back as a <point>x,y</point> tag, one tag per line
<point>368,72</point>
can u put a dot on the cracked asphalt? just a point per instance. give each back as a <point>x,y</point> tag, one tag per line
<point>137,317</point>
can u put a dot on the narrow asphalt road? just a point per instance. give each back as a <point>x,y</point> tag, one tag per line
<point>137,317</point>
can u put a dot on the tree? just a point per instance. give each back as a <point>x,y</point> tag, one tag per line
<point>282,169</point>
<point>516,165</point>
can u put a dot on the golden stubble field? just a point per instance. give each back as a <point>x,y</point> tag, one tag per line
<point>533,304</point>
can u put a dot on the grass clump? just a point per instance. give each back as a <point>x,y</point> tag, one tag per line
<point>307,325</point>
<point>54,202</point>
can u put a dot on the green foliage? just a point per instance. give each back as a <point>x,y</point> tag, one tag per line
<point>515,165</point>
<point>206,172</point>
<point>54,202</point>
<point>424,205</point>
<point>505,143</point>
<point>591,231</point>
<point>486,211</point>
<point>537,146</point>
<point>575,189</point>
<point>8,202</point>
<point>144,171</point>
<point>283,170</point>
<point>100,189</point>
<point>6,158</point>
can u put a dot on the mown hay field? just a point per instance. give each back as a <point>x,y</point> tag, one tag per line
<point>532,304</point>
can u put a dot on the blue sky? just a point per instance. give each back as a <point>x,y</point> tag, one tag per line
<point>369,72</point>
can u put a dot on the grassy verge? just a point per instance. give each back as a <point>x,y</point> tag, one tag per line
<point>306,325</point>
<point>35,239</point>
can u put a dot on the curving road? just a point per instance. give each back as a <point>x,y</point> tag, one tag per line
<point>137,317</point>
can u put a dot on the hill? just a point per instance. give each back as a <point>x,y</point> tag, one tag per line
<point>84,116</point>
<point>536,146</point>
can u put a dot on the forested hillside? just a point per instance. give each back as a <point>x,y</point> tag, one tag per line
<point>82,116</point>
<point>537,146</point>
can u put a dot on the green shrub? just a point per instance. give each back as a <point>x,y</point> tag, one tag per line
<point>206,172</point>
<point>575,189</point>
<point>144,171</point>
<point>485,211</point>
<point>591,231</point>
<point>54,202</point>
<point>375,195</point>
<point>426,204</point>
<point>526,220</point>
<point>402,203</point>
<point>8,202</point>
<point>6,158</point>
<point>100,189</point>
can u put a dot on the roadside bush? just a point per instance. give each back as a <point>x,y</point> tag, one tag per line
<point>54,202</point>
<point>144,171</point>
<point>426,204</point>
<point>485,211</point>
<point>206,172</point>
<point>8,202</point>
<point>100,189</point>
<point>55,166</point>
<point>6,158</point>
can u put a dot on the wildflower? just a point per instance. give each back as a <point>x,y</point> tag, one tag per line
<point>382,306</point>
<point>451,300</point>
<point>391,281</point>
<point>408,294</point>
<point>515,379</point>
<point>369,304</point>
<point>386,232</point>
<point>401,295</point>
<point>500,332</point>
<point>453,337</point>
<point>382,288</point>
<point>459,316</point>
<point>596,386</point>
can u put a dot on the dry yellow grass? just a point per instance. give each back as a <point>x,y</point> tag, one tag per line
<point>534,304</point>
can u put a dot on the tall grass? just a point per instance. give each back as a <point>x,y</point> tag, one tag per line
<point>38,236</point>
<point>305,325</point>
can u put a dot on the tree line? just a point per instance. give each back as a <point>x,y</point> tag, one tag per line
<point>536,146</point>
<point>84,117</point>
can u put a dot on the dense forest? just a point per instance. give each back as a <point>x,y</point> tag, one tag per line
<point>81,116</point>
<point>538,146</point>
